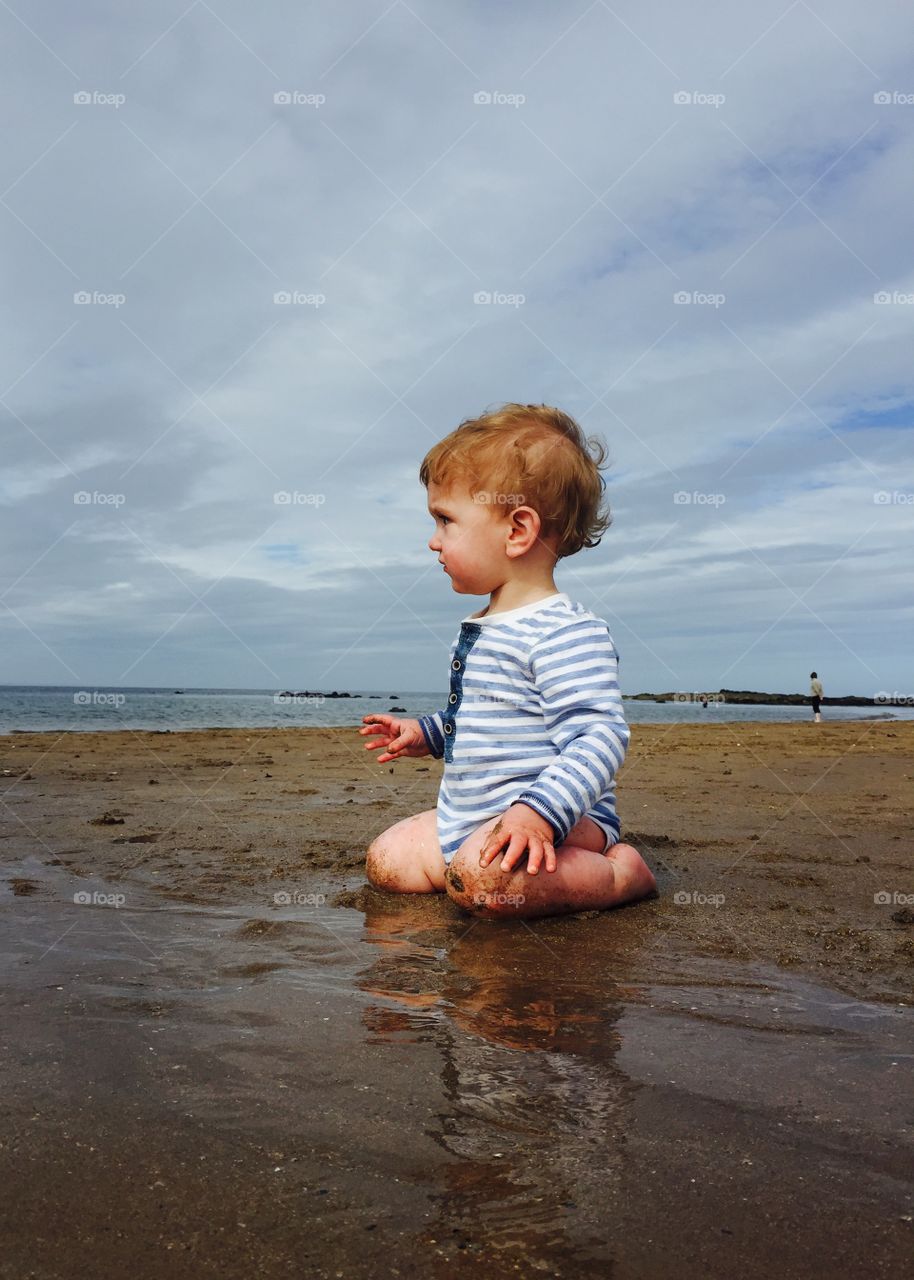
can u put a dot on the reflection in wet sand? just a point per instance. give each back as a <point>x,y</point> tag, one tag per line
<point>536,1116</point>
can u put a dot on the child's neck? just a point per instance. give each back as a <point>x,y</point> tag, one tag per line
<point>512,595</point>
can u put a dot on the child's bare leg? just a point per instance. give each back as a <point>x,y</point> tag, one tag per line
<point>407,858</point>
<point>584,879</point>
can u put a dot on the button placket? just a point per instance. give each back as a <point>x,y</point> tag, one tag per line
<point>468,635</point>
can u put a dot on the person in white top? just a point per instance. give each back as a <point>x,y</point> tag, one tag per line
<point>533,732</point>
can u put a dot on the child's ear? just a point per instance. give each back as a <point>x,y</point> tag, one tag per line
<point>525,527</point>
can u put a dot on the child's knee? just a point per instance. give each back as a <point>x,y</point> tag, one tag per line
<point>460,880</point>
<point>380,864</point>
<point>476,889</point>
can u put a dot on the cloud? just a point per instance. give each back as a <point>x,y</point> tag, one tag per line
<point>277,296</point>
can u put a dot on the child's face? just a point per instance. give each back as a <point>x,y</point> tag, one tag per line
<point>470,538</point>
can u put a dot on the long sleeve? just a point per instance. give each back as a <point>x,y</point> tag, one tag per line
<point>432,727</point>
<point>575,671</point>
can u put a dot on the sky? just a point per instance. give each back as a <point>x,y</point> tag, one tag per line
<point>257,261</point>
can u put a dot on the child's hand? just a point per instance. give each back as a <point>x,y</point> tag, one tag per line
<point>520,828</point>
<point>398,737</point>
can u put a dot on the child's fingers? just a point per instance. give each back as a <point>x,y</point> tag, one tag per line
<point>514,852</point>
<point>490,850</point>
<point>392,750</point>
<point>534,856</point>
<point>550,855</point>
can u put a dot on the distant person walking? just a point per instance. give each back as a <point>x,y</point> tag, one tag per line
<point>815,691</point>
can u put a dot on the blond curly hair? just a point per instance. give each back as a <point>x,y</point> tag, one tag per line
<point>528,455</point>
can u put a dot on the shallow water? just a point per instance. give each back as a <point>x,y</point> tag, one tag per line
<point>365,1077</point>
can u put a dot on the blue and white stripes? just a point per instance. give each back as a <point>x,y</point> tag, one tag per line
<point>534,714</point>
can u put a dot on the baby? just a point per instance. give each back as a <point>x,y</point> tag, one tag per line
<point>533,732</point>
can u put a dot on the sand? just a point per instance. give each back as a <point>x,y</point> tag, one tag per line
<point>225,1055</point>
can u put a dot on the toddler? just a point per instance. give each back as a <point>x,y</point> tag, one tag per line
<point>533,732</point>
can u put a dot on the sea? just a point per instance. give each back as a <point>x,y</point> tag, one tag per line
<point>58,708</point>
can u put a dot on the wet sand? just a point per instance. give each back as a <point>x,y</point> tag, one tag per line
<point>225,1055</point>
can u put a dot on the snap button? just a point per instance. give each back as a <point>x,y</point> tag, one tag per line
<point>456,664</point>
<point>448,728</point>
<point>452,697</point>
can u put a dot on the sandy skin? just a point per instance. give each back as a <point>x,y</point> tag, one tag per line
<point>406,858</point>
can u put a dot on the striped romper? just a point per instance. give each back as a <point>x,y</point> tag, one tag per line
<point>534,714</point>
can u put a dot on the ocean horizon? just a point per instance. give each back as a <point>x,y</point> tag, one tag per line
<point>100,708</point>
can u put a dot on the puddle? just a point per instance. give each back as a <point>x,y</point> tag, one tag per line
<point>550,1097</point>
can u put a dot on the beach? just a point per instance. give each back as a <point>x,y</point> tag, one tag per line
<point>227,1055</point>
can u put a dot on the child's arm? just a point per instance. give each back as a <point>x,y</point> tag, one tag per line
<point>575,671</point>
